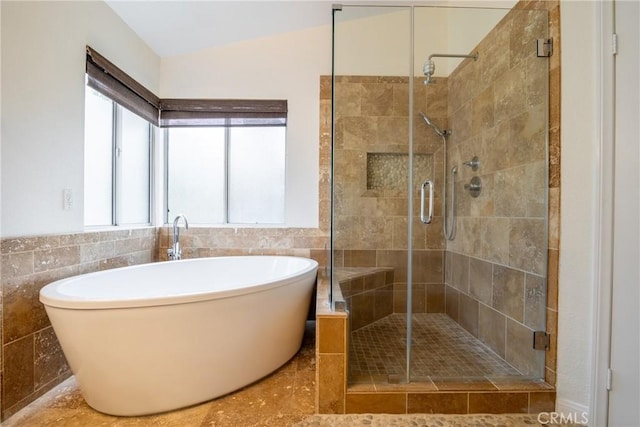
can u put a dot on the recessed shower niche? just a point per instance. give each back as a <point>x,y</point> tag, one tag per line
<point>390,171</point>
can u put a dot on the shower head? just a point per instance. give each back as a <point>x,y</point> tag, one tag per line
<point>428,69</point>
<point>426,119</point>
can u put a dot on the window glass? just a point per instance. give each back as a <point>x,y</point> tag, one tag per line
<point>98,159</point>
<point>196,174</point>
<point>256,174</point>
<point>117,164</point>
<point>135,169</point>
<point>219,175</point>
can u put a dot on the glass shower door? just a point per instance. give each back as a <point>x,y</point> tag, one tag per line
<point>482,95</point>
<point>372,159</point>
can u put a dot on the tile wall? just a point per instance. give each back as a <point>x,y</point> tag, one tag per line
<point>368,294</point>
<point>495,267</point>
<point>32,361</point>
<point>371,204</point>
<point>499,279</point>
<point>200,242</point>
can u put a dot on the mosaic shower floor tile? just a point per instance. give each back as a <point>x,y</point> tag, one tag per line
<point>441,349</point>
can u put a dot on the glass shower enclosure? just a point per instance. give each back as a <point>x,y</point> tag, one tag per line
<point>439,195</point>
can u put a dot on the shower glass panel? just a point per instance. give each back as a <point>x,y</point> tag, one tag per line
<point>469,290</point>
<point>371,175</point>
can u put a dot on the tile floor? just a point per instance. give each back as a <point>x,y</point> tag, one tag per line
<point>282,399</point>
<point>441,348</point>
<point>285,398</point>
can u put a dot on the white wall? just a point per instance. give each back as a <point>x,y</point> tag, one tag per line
<point>378,43</point>
<point>286,66</point>
<point>466,27</point>
<point>43,61</point>
<point>578,228</point>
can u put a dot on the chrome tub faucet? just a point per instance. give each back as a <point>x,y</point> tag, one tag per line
<point>175,252</point>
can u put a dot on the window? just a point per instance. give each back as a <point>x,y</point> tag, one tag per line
<point>117,164</point>
<point>225,158</point>
<point>119,114</point>
<point>226,174</point>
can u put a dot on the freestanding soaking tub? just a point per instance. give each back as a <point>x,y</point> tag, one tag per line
<point>155,337</point>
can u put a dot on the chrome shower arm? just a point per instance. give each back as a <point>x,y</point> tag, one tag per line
<point>429,67</point>
<point>450,55</point>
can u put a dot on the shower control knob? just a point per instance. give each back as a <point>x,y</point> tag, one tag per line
<point>474,187</point>
<point>474,163</point>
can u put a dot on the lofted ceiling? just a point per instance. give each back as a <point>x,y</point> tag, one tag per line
<point>175,27</point>
<point>178,27</point>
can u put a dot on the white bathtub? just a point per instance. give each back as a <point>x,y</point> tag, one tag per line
<point>156,337</point>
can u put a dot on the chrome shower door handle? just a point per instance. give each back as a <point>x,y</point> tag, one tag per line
<point>426,219</point>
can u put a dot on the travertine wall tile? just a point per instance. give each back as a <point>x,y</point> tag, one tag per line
<point>331,383</point>
<point>503,230</point>
<point>494,237</point>
<point>49,360</point>
<point>520,352</point>
<point>481,280</point>
<point>535,302</point>
<point>32,243</point>
<point>527,245</point>
<point>17,264</point>
<point>452,303</point>
<point>98,250</point>
<point>51,259</point>
<point>441,403</point>
<point>435,298</point>
<point>33,360</point>
<point>468,316</point>
<point>492,329</point>
<point>499,403</point>
<point>460,272</point>
<point>376,403</point>
<point>508,292</point>
<point>18,372</point>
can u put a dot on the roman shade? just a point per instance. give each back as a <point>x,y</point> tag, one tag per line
<point>117,85</point>
<point>222,112</point>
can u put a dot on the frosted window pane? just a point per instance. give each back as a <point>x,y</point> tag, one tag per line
<point>196,161</point>
<point>256,174</point>
<point>98,159</point>
<point>134,163</point>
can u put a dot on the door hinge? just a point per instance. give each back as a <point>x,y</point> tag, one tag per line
<point>544,47</point>
<point>609,379</point>
<point>541,340</point>
<point>614,44</point>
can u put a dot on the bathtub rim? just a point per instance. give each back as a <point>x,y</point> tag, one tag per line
<point>50,297</point>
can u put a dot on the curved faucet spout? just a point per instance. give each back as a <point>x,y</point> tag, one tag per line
<point>176,229</point>
<point>175,252</point>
